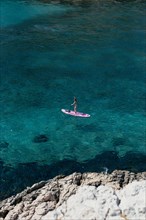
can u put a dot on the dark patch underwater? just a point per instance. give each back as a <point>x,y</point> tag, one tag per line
<point>14,180</point>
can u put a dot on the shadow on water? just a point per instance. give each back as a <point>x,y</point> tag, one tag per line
<point>14,180</point>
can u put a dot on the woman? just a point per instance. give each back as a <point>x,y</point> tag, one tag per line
<point>75,104</point>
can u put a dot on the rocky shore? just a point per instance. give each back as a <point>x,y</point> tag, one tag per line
<point>116,196</point>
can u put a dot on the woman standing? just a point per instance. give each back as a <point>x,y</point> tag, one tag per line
<point>75,104</point>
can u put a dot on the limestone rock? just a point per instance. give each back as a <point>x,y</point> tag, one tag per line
<point>118,195</point>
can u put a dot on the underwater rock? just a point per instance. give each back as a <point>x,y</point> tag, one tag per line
<point>4,144</point>
<point>40,138</point>
<point>118,141</point>
<point>99,138</point>
<point>87,128</point>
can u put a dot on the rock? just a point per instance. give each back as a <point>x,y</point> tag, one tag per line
<point>132,199</point>
<point>103,202</point>
<point>118,141</point>
<point>40,138</point>
<point>42,208</point>
<point>24,215</point>
<point>36,186</point>
<point>48,197</point>
<point>80,196</point>
<point>3,144</point>
<point>11,216</point>
<point>3,213</point>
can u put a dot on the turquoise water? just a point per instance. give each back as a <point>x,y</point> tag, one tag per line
<point>51,53</point>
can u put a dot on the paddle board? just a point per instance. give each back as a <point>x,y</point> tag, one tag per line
<point>78,114</point>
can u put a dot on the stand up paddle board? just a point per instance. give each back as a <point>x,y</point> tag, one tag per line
<point>78,114</point>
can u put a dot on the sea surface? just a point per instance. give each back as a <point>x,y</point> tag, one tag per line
<point>50,53</point>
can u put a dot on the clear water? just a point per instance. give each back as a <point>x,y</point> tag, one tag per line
<point>51,53</point>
